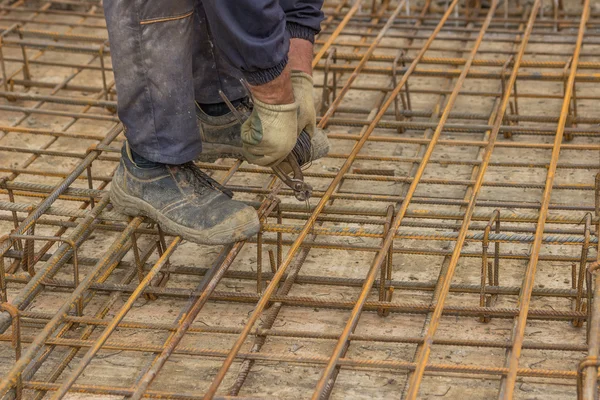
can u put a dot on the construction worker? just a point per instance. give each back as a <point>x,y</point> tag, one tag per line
<point>170,60</point>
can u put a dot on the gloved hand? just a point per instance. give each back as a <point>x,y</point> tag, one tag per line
<point>270,133</point>
<point>302,84</point>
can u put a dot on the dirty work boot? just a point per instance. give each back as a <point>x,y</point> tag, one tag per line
<point>221,136</point>
<point>183,200</point>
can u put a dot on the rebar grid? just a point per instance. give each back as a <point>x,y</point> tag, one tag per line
<point>449,249</point>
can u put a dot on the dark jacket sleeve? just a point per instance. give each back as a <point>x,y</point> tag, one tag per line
<point>253,36</point>
<point>303,18</point>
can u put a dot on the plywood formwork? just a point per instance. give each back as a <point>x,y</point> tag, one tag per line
<point>449,250</point>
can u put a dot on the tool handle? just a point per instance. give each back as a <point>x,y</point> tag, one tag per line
<point>302,151</point>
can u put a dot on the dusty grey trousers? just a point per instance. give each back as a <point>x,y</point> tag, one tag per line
<point>157,54</point>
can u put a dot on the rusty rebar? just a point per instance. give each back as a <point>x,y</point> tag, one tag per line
<point>380,132</point>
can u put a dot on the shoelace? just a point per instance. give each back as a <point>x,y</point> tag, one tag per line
<point>205,180</point>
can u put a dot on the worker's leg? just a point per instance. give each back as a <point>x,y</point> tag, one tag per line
<point>219,127</point>
<point>211,71</point>
<point>151,46</point>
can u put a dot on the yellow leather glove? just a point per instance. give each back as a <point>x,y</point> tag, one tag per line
<point>302,84</point>
<point>270,133</point>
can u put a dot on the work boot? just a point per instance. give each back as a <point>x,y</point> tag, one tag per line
<point>221,136</point>
<point>183,200</point>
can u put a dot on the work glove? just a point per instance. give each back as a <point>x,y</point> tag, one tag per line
<point>302,84</point>
<point>270,133</point>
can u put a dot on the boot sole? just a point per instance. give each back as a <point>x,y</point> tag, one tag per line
<point>217,235</point>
